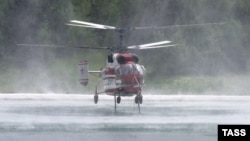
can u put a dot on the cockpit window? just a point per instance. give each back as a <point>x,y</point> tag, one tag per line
<point>129,69</point>
<point>140,68</point>
<point>125,69</point>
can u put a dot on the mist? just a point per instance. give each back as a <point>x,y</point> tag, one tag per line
<point>210,59</point>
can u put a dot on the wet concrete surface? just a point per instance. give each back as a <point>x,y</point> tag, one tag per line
<point>75,117</point>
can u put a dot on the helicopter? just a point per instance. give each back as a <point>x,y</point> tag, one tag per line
<point>123,75</point>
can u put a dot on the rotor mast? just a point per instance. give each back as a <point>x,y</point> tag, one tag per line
<point>121,47</point>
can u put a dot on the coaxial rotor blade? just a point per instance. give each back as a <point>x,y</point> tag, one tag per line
<point>84,26</point>
<point>39,45</point>
<point>152,47</point>
<point>85,47</point>
<point>62,46</point>
<point>92,25</point>
<point>150,44</point>
<point>176,26</point>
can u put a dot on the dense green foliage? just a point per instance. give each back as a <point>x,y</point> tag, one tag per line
<point>204,51</point>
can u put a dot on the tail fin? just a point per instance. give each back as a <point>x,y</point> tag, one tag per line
<point>83,72</point>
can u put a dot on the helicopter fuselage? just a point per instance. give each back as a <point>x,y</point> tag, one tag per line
<point>122,76</point>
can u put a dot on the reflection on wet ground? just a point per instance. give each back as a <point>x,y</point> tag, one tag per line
<point>167,116</point>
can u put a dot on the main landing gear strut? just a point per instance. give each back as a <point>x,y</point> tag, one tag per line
<point>117,100</point>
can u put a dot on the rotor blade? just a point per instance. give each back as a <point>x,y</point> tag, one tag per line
<point>94,71</point>
<point>86,47</point>
<point>175,26</point>
<point>150,44</point>
<point>39,45</point>
<point>62,46</point>
<point>152,47</point>
<point>84,26</point>
<point>92,25</point>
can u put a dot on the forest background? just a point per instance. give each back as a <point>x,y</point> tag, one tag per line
<point>211,59</point>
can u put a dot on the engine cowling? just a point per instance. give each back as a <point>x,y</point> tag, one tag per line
<point>126,57</point>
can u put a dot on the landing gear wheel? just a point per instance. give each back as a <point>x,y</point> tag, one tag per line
<point>118,99</point>
<point>96,99</point>
<point>138,100</point>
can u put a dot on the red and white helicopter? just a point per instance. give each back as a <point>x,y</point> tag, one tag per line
<point>122,75</point>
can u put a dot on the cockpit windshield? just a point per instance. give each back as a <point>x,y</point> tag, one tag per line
<point>130,69</point>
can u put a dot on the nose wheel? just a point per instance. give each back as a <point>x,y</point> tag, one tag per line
<point>118,100</point>
<point>96,99</point>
